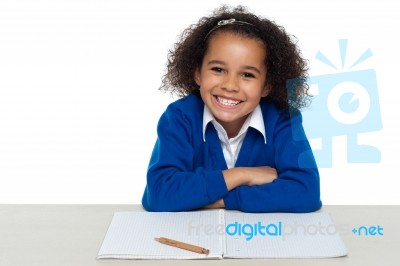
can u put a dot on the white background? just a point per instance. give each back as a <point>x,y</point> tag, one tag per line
<point>79,99</point>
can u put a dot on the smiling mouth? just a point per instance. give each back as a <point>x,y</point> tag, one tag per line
<point>227,102</point>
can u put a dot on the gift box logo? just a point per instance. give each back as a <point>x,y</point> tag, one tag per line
<point>344,103</point>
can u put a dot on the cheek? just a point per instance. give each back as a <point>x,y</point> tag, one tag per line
<point>208,83</point>
<point>254,91</point>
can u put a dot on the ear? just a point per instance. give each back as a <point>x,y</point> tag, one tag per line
<point>197,75</point>
<point>266,91</point>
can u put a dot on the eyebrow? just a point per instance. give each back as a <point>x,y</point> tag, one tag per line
<point>223,63</point>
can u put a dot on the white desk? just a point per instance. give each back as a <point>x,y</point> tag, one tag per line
<point>71,235</point>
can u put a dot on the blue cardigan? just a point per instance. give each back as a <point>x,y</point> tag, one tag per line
<point>185,172</point>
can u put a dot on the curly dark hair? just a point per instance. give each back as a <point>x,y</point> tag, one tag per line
<point>286,69</point>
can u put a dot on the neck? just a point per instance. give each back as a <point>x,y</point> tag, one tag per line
<point>232,128</point>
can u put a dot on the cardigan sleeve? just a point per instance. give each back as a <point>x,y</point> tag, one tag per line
<point>297,187</point>
<point>172,182</point>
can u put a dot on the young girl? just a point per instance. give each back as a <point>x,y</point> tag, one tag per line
<point>232,141</point>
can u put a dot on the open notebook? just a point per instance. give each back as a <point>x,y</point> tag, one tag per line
<point>227,234</point>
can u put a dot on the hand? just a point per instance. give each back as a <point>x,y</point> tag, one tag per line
<point>260,175</point>
<point>216,205</point>
<point>250,176</point>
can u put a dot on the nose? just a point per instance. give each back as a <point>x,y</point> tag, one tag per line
<point>231,83</point>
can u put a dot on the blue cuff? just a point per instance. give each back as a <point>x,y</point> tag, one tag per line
<point>216,187</point>
<point>230,200</point>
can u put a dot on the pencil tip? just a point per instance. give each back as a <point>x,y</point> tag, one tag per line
<point>157,239</point>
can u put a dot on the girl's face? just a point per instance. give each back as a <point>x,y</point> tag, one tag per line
<point>232,79</point>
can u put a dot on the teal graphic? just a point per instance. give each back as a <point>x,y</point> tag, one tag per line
<point>343,103</point>
<point>368,231</point>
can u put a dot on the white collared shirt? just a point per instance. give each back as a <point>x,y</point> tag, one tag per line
<point>231,146</point>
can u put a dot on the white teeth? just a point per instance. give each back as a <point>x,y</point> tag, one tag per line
<point>227,101</point>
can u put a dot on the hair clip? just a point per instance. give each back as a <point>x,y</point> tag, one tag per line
<point>226,21</point>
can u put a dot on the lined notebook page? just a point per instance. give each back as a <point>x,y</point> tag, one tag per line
<point>131,235</point>
<point>305,235</point>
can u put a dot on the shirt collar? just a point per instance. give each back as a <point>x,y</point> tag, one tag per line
<point>256,121</point>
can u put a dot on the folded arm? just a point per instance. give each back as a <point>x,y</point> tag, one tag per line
<point>173,183</point>
<point>296,187</point>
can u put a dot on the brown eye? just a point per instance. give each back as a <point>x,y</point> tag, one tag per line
<point>217,69</point>
<point>248,75</point>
